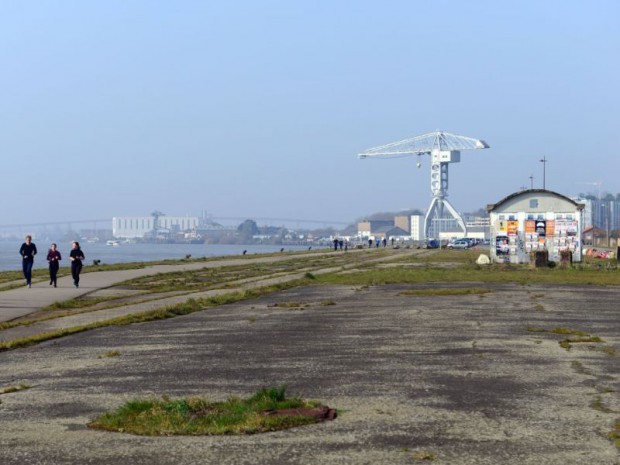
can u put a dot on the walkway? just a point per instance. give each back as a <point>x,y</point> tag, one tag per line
<point>21,302</point>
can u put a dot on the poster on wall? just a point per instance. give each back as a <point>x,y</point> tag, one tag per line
<point>530,227</point>
<point>541,228</point>
<point>512,227</point>
<point>571,228</point>
<point>501,245</point>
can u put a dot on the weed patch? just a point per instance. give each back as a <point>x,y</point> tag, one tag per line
<point>111,354</point>
<point>447,291</point>
<point>267,410</point>
<point>615,434</point>
<point>423,455</point>
<point>9,389</point>
<point>567,343</point>
<point>288,305</point>
<point>597,404</point>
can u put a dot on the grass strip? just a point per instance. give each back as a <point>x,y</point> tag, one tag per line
<point>9,389</point>
<point>198,416</point>
<point>615,434</point>
<point>470,273</point>
<point>185,308</point>
<point>447,291</point>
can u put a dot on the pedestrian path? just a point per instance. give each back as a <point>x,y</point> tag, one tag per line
<point>16,303</point>
<point>23,301</point>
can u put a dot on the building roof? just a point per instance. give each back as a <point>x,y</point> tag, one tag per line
<point>594,230</point>
<point>392,231</point>
<point>494,206</point>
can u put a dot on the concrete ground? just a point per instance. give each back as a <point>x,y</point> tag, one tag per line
<point>456,379</point>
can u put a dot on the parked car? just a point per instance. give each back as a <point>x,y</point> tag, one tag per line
<point>432,244</point>
<point>459,244</point>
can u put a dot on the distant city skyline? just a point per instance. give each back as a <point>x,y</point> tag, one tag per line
<point>259,109</point>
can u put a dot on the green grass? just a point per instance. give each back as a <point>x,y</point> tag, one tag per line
<point>288,305</point>
<point>71,304</point>
<point>424,455</point>
<point>9,389</point>
<point>558,330</point>
<point>597,404</point>
<point>446,291</point>
<point>580,336</point>
<point>615,434</point>
<point>470,273</point>
<point>198,416</point>
<point>111,354</point>
<point>567,343</point>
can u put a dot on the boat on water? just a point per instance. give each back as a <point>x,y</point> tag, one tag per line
<point>113,243</point>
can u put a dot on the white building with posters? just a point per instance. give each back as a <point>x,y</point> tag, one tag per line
<point>533,220</point>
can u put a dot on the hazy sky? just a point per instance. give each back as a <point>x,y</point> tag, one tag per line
<point>258,108</point>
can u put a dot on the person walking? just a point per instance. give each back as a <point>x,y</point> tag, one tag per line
<point>53,257</point>
<point>76,256</point>
<point>28,250</point>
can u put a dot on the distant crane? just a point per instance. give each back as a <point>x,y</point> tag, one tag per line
<point>443,148</point>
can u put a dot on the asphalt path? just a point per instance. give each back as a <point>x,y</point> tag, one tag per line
<point>22,301</point>
<point>19,302</point>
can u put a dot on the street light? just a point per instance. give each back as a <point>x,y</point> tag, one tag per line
<point>544,160</point>
<point>531,181</point>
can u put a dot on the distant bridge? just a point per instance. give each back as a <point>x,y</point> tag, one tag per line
<point>47,224</point>
<point>280,220</point>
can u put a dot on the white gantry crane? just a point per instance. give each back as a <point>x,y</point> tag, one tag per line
<point>443,148</point>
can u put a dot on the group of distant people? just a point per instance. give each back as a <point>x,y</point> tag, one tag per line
<point>28,250</point>
<point>379,242</point>
<point>340,243</point>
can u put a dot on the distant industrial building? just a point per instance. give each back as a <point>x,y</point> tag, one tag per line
<point>132,227</point>
<point>368,227</point>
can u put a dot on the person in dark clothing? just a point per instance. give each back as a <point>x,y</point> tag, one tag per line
<point>28,250</point>
<point>76,256</point>
<point>53,257</point>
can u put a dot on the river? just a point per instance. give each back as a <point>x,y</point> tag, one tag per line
<point>124,253</point>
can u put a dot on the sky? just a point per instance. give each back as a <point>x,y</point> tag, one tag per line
<point>258,109</point>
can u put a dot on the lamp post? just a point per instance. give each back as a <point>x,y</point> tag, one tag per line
<point>531,181</point>
<point>608,214</point>
<point>543,160</point>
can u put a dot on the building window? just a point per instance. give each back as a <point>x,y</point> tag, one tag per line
<point>533,203</point>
